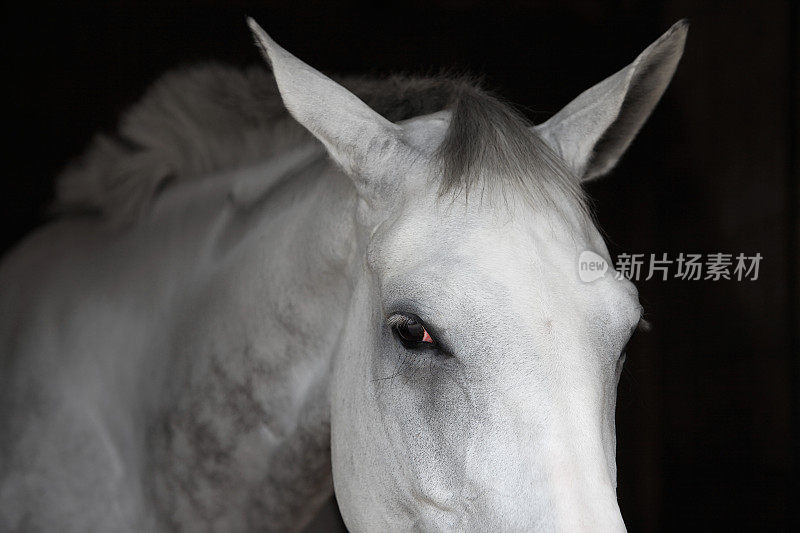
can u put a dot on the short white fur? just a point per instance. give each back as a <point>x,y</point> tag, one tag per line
<point>227,361</point>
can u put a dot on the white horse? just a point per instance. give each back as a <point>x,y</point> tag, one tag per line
<point>242,325</point>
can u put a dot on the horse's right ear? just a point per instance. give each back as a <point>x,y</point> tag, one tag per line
<point>359,139</point>
<point>593,131</point>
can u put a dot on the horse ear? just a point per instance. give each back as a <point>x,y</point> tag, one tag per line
<point>357,138</point>
<point>593,131</point>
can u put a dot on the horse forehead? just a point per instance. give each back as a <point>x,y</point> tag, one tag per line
<point>532,257</point>
<point>440,230</point>
<point>465,246</point>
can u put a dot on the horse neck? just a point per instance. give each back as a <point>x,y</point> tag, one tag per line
<point>257,337</point>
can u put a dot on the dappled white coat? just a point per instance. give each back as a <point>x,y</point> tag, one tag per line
<point>226,360</point>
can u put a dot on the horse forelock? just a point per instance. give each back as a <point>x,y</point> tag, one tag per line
<point>490,145</point>
<point>205,119</point>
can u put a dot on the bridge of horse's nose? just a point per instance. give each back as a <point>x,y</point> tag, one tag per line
<point>583,498</point>
<point>578,477</point>
<point>566,462</point>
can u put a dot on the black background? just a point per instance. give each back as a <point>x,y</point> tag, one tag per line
<point>708,403</point>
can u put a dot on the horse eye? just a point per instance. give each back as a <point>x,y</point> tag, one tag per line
<point>411,332</point>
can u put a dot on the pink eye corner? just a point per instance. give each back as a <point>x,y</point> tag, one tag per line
<point>426,337</point>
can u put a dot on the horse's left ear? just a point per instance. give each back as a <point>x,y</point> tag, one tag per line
<point>593,131</point>
<point>360,140</point>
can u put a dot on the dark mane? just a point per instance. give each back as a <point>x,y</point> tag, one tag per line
<point>201,120</point>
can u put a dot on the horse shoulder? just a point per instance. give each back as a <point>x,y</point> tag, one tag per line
<point>60,451</point>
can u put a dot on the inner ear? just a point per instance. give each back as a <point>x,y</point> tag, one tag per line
<point>359,139</point>
<point>593,131</point>
<point>424,133</point>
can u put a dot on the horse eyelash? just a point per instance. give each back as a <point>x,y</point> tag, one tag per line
<point>399,319</point>
<point>396,320</point>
